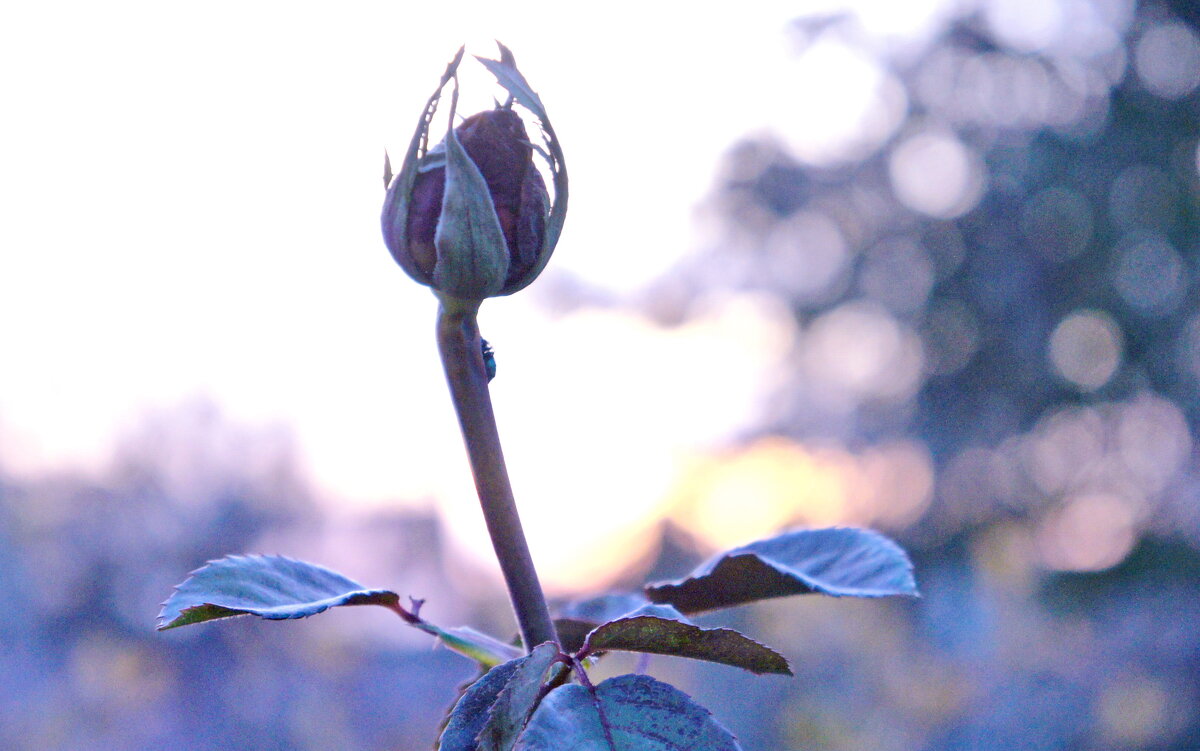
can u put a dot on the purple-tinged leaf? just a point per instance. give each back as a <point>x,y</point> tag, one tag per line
<point>572,632</point>
<point>277,588</point>
<point>272,587</point>
<point>840,561</point>
<point>626,713</point>
<point>662,630</point>
<point>603,608</point>
<point>576,619</point>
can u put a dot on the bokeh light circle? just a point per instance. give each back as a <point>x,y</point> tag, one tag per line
<point>1086,348</point>
<point>859,352</point>
<point>1091,532</point>
<point>1149,274</point>
<point>1167,60</point>
<point>936,174</point>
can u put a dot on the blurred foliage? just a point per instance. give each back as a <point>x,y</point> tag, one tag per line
<point>1001,264</point>
<point>999,272</point>
<point>85,563</point>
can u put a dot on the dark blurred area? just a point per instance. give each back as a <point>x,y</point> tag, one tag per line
<point>1003,282</point>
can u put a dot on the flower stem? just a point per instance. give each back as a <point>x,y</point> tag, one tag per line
<point>462,357</point>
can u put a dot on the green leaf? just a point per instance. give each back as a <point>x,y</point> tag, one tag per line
<point>272,587</point>
<point>840,561</point>
<point>627,713</point>
<point>492,711</point>
<point>662,630</point>
<point>487,650</point>
<point>508,715</point>
<point>470,712</point>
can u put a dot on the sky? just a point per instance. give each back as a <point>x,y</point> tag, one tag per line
<point>191,197</point>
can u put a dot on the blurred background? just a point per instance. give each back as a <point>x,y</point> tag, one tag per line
<point>928,267</point>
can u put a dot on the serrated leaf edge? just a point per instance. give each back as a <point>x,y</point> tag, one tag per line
<point>587,643</point>
<point>709,567</point>
<point>163,625</point>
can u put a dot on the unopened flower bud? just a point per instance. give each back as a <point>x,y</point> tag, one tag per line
<point>471,217</point>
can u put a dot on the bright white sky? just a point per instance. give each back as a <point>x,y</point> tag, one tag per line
<point>190,200</point>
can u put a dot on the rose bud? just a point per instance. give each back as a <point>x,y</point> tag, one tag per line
<point>471,217</point>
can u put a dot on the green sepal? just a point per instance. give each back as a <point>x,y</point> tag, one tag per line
<point>400,185</point>
<point>508,76</point>
<point>506,73</point>
<point>472,254</point>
